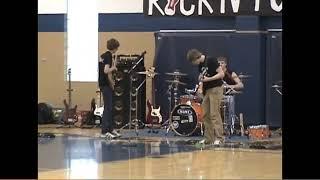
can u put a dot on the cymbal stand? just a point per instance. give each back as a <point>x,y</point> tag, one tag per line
<point>225,118</point>
<point>229,116</point>
<point>167,123</point>
<point>173,86</point>
<point>233,116</point>
<point>136,121</point>
<point>175,94</point>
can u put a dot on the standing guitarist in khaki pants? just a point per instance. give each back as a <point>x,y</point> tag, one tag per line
<point>213,93</point>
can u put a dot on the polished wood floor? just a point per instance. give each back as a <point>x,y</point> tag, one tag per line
<point>79,154</point>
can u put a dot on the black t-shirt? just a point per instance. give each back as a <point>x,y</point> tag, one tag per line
<point>228,77</point>
<point>212,65</point>
<point>107,59</point>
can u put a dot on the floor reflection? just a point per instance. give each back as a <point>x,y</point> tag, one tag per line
<point>69,149</point>
<point>77,157</point>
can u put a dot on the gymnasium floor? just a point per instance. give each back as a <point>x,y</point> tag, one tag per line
<point>79,154</point>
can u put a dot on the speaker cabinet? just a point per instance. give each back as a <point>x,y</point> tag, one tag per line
<point>274,77</point>
<point>124,94</point>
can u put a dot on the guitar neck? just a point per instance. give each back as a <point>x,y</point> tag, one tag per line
<point>153,93</point>
<point>69,94</point>
<point>69,99</point>
<point>99,99</point>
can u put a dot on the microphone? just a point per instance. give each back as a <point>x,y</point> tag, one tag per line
<point>140,59</point>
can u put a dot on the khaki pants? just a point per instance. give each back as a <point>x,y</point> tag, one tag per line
<point>211,114</point>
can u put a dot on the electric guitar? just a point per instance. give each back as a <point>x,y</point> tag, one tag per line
<point>98,111</point>
<point>70,114</point>
<point>154,116</point>
<point>202,74</point>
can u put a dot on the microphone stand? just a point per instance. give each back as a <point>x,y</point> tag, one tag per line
<point>136,65</point>
<point>277,89</point>
<point>136,120</point>
<point>141,58</point>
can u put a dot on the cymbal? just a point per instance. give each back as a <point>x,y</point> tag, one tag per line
<point>147,73</point>
<point>276,86</point>
<point>176,74</point>
<point>244,76</point>
<point>175,82</point>
<point>236,92</point>
<point>232,91</point>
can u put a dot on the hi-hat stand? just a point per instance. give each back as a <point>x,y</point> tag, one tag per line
<point>172,89</point>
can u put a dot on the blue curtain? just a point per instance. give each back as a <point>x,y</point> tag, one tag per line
<point>245,51</point>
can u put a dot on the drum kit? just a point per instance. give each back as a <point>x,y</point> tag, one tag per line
<point>186,115</point>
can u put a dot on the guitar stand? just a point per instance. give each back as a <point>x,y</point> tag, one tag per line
<point>151,130</point>
<point>135,123</point>
<point>67,125</point>
<point>97,126</point>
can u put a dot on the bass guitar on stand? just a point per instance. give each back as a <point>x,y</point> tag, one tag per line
<point>70,114</point>
<point>154,116</point>
<point>98,111</point>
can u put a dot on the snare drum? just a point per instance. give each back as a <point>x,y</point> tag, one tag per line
<point>185,119</point>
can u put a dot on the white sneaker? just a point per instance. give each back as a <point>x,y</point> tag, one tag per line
<point>108,136</point>
<point>216,142</point>
<point>203,141</point>
<point>114,132</point>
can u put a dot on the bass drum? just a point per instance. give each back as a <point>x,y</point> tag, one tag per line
<point>184,120</point>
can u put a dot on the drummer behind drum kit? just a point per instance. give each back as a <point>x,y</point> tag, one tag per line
<point>186,114</point>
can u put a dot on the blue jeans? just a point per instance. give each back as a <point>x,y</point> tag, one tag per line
<point>107,124</point>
